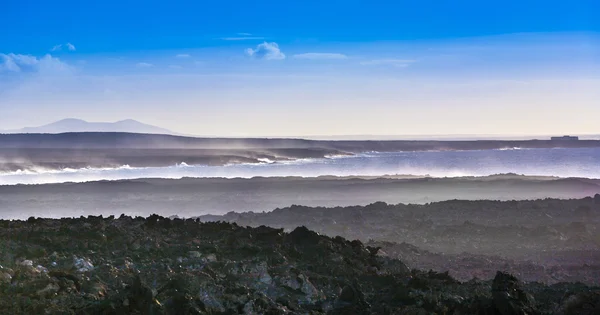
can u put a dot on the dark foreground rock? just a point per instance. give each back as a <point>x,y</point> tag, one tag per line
<point>156,265</point>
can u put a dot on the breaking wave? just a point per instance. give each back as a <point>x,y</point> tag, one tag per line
<point>541,162</point>
<point>508,149</point>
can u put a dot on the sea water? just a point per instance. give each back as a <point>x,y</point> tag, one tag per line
<point>560,162</point>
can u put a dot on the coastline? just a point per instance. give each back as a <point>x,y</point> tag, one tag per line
<point>102,150</point>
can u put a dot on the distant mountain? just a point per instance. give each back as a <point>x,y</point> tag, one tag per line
<point>78,125</point>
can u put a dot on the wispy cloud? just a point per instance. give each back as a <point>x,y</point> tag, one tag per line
<point>267,51</point>
<point>9,64</point>
<point>182,56</point>
<point>321,56</point>
<point>244,38</point>
<point>400,63</point>
<point>144,65</point>
<point>59,47</point>
<point>28,63</point>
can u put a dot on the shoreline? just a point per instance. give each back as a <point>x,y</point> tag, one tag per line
<point>102,150</point>
<point>48,166</point>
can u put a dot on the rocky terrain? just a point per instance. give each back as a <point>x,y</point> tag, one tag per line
<point>156,265</point>
<point>546,240</point>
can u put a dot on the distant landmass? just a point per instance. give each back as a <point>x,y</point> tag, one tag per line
<point>79,125</point>
<point>73,125</point>
<point>144,140</point>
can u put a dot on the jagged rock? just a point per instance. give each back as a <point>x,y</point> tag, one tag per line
<point>211,258</point>
<point>5,277</point>
<point>194,254</point>
<point>509,297</point>
<point>94,289</point>
<point>587,303</point>
<point>258,271</point>
<point>303,236</point>
<point>311,293</point>
<point>350,301</point>
<point>82,264</point>
<point>67,281</point>
<point>26,263</point>
<point>140,297</point>
<point>50,290</point>
<point>261,304</point>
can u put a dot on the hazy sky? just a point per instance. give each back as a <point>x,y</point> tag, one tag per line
<point>298,68</point>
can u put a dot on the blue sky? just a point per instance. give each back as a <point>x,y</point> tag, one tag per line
<point>267,68</point>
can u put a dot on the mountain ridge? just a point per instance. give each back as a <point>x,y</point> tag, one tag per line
<point>68,125</point>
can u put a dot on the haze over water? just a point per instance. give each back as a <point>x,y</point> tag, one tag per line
<point>581,162</point>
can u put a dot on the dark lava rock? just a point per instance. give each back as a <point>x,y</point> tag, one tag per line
<point>509,298</point>
<point>303,236</point>
<point>173,266</point>
<point>140,297</point>
<point>466,238</point>
<point>350,301</point>
<point>586,303</point>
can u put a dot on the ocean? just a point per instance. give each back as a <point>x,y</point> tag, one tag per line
<point>560,162</point>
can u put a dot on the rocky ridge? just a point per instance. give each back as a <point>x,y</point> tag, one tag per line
<point>545,240</point>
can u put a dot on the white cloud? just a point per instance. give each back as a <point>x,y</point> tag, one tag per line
<point>59,47</point>
<point>400,63</point>
<point>26,60</point>
<point>243,38</point>
<point>49,64</point>
<point>28,63</point>
<point>144,65</point>
<point>267,51</point>
<point>8,64</point>
<point>182,56</point>
<point>321,56</point>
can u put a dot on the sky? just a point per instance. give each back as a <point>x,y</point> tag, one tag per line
<point>305,68</point>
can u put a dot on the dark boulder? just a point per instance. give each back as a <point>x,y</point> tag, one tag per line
<point>509,298</point>
<point>303,236</point>
<point>350,301</point>
<point>140,297</point>
<point>267,234</point>
<point>587,303</point>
